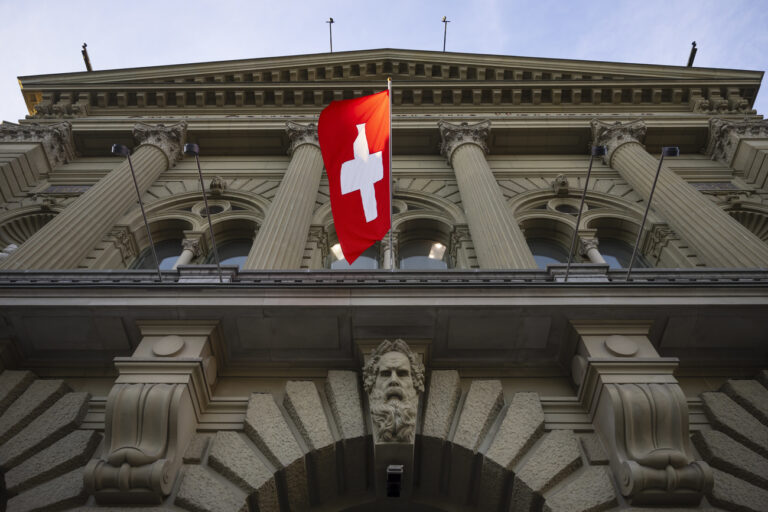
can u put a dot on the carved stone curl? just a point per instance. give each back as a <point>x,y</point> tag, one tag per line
<point>724,137</point>
<point>393,377</point>
<point>455,135</point>
<point>651,454</point>
<point>613,135</point>
<point>299,134</point>
<point>56,139</point>
<point>168,139</point>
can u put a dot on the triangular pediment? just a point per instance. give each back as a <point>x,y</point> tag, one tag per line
<point>423,78</point>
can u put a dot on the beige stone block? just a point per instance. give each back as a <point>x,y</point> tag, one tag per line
<point>37,398</point>
<point>232,457</point>
<point>751,395</point>
<point>729,417</point>
<point>59,420</point>
<point>72,451</point>
<point>443,397</point>
<point>196,449</point>
<point>201,492</point>
<point>732,493</point>
<point>12,385</point>
<point>343,392</point>
<point>60,493</point>
<point>589,491</point>
<point>722,452</point>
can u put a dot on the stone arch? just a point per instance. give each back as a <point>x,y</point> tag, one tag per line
<point>752,217</point>
<point>17,226</point>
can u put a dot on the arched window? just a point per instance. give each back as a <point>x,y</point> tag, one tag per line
<point>423,254</point>
<point>168,252</point>
<point>232,252</point>
<point>617,254</point>
<point>369,260</point>
<point>547,252</point>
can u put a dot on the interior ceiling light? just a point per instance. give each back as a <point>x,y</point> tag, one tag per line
<point>336,250</point>
<point>437,251</point>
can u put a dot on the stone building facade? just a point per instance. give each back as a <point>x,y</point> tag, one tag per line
<point>472,376</point>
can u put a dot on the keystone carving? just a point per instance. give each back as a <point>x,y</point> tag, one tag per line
<point>393,377</point>
<point>299,134</point>
<point>147,427</point>
<point>724,137</point>
<point>652,458</point>
<point>217,186</point>
<point>613,135</point>
<point>455,135</point>
<point>168,139</point>
<point>56,139</point>
<point>560,185</point>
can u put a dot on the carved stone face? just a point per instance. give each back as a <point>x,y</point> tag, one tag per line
<point>393,380</point>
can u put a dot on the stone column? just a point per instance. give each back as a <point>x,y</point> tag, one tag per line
<point>589,248</point>
<point>70,236</point>
<point>499,241</point>
<point>742,146</point>
<point>29,152</point>
<point>280,241</point>
<point>718,238</point>
<point>190,249</point>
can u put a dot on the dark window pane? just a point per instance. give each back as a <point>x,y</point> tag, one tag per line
<point>547,252</point>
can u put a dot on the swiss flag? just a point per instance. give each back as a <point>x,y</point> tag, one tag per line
<point>354,141</point>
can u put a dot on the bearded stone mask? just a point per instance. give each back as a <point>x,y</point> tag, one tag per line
<point>394,377</point>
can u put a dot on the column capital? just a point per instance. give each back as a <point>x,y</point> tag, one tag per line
<point>192,245</point>
<point>724,137</point>
<point>57,141</point>
<point>587,244</point>
<point>613,135</point>
<point>167,138</point>
<point>299,134</point>
<point>455,135</point>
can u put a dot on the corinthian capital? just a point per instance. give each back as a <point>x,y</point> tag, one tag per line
<point>613,135</point>
<point>56,139</point>
<point>455,135</point>
<point>299,134</point>
<point>168,139</point>
<point>724,137</point>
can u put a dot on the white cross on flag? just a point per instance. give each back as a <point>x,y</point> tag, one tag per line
<point>354,141</point>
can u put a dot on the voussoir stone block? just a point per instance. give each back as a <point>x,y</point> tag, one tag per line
<point>267,428</point>
<point>196,450</point>
<point>724,453</point>
<point>444,394</point>
<point>37,398</point>
<point>729,417</point>
<point>343,392</point>
<point>732,493</point>
<point>57,494</point>
<point>201,492</point>
<point>762,378</point>
<point>69,452</point>
<point>594,449</point>
<point>589,491</point>
<point>556,457</point>
<point>231,456</point>
<point>522,425</point>
<point>751,395</point>
<point>60,419</point>
<point>12,385</point>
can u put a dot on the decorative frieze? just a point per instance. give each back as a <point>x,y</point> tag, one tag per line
<point>299,134</point>
<point>56,139</point>
<point>455,135</point>
<point>168,139</point>
<point>613,135</point>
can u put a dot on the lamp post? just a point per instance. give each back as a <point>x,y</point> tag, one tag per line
<point>120,150</point>
<point>194,149</point>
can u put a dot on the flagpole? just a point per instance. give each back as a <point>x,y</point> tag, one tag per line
<point>391,180</point>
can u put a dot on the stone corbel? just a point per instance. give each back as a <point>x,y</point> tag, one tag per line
<point>153,411</point>
<point>640,413</point>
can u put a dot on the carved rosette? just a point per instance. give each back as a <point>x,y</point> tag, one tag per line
<point>724,137</point>
<point>299,134</point>
<point>168,139</point>
<point>455,135</point>
<point>57,141</point>
<point>393,379</point>
<point>613,135</point>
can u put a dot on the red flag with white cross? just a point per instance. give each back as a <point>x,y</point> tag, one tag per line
<point>354,141</point>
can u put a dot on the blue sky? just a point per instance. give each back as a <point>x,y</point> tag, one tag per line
<point>42,37</point>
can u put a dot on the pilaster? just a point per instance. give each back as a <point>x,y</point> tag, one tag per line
<point>719,239</point>
<point>281,240</point>
<point>499,241</point>
<point>742,146</point>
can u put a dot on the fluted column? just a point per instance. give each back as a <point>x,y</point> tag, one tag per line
<point>718,238</point>
<point>70,236</point>
<point>282,238</point>
<point>742,146</point>
<point>499,242</point>
<point>29,152</point>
